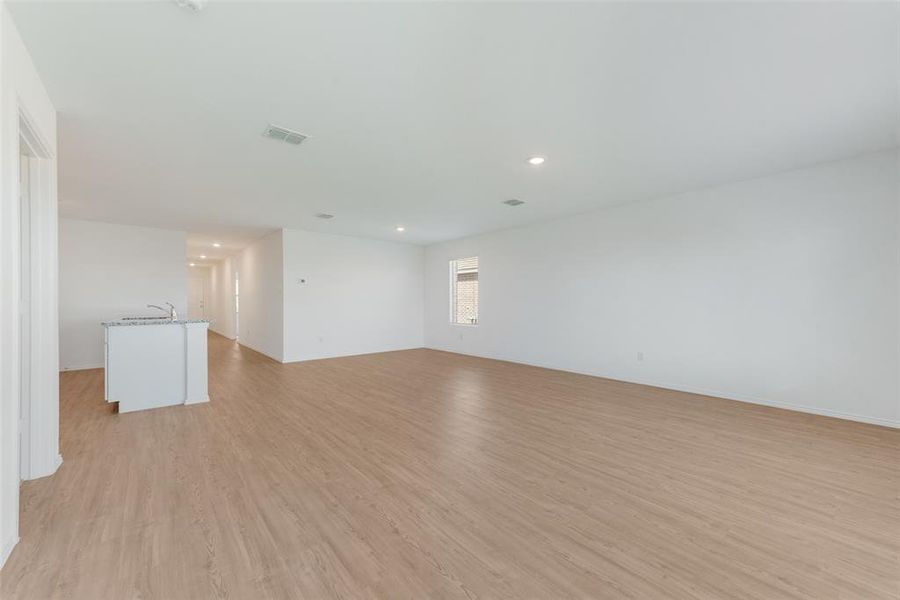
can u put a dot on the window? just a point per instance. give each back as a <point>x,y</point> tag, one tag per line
<point>464,291</point>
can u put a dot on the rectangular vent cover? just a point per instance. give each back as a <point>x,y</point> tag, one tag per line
<point>514,202</point>
<point>285,135</point>
<point>324,216</point>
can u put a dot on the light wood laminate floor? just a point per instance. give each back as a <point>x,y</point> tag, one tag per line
<point>423,474</point>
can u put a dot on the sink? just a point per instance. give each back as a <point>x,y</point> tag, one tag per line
<point>145,319</point>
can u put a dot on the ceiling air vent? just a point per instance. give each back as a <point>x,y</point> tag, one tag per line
<point>324,216</point>
<point>285,135</point>
<point>513,202</point>
<point>191,5</point>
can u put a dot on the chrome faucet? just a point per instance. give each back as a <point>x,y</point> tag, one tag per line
<point>172,314</point>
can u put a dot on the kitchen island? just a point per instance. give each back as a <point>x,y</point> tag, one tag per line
<point>155,362</point>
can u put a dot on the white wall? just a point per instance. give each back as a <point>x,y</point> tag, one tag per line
<point>21,92</point>
<point>782,290</point>
<point>110,271</point>
<point>221,300</point>
<point>360,295</point>
<point>261,270</point>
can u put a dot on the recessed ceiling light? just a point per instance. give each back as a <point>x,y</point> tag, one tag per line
<point>536,160</point>
<point>202,256</point>
<point>324,216</point>
<point>191,265</point>
<point>400,228</point>
<point>514,202</point>
<point>217,245</point>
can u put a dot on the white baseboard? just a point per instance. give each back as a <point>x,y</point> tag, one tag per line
<point>7,549</point>
<point>326,356</point>
<point>80,368</point>
<point>224,335</point>
<point>246,345</point>
<point>54,467</point>
<point>812,410</point>
<point>825,412</point>
<point>201,401</point>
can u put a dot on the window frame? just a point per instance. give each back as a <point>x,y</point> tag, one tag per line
<point>453,296</point>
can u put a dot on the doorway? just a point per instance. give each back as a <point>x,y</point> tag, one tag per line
<point>197,297</point>
<point>237,306</point>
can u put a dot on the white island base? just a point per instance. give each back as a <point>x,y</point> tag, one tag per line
<point>156,363</point>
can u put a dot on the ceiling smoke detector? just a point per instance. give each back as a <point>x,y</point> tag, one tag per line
<point>514,202</point>
<point>324,216</point>
<point>285,135</point>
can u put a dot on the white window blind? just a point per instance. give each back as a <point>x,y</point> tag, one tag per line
<point>464,291</point>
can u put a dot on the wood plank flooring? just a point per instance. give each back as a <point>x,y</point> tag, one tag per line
<point>423,474</point>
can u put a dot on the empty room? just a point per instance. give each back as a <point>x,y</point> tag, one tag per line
<point>451,300</point>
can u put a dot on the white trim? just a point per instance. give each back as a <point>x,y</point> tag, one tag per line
<point>55,464</point>
<point>80,368</point>
<point>824,412</point>
<point>217,332</point>
<point>197,401</point>
<point>31,134</point>
<point>810,410</point>
<point>43,406</point>
<point>266,354</point>
<point>328,356</point>
<point>7,549</point>
<point>29,355</point>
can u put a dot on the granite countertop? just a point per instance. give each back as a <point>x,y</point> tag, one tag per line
<point>163,321</point>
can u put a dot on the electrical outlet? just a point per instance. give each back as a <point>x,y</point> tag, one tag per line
<point>302,280</point>
<point>640,356</point>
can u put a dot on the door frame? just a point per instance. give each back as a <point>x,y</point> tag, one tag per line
<point>25,306</point>
<point>37,326</point>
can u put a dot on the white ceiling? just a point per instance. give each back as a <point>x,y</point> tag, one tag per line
<point>424,114</point>
<point>201,242</point>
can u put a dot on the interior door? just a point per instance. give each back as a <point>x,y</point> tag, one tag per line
<point>196,298</point>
